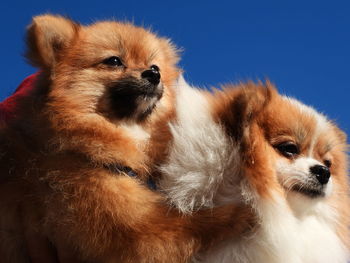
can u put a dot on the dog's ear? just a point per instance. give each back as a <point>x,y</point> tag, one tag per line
<point>245,107</point>
<point>341,135</point>
<point>47,37</point>
<point>171,52</point>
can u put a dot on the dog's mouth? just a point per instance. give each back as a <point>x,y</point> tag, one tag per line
<point>133,98</point>
<point>310,191</point>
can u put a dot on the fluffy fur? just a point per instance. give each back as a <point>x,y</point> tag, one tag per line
<point>233,149</point>
<point>103,97</point>
<point>201,155</point>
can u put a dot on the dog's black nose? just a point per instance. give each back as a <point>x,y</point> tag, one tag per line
<point>321,172</point>
<point>152,75</point>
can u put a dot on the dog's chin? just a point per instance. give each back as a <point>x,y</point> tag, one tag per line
<point>145,106</point>
<point>130,99</point>
<point>311,192</point>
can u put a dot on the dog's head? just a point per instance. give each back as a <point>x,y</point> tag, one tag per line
<point>114,69</point>
<point>308,148</point>
<point>289,145</point>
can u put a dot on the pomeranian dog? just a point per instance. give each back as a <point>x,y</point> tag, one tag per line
<point>249,145</point>
<point>78,147</point>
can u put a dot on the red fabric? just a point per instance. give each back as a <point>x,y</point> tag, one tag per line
<point>8,106</point>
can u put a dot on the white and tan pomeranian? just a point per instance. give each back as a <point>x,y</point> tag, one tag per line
<point>248,144</point>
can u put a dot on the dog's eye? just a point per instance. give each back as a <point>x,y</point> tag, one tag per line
<point>288,149</point>
<point>113,61</point>
<point>327,163</point>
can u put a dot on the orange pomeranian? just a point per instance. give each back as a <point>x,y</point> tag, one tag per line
<point>249,145</point>
<point>93,117</point>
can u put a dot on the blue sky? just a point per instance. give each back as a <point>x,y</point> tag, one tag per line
<point>301,46</point>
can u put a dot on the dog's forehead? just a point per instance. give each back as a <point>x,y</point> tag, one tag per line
<point>303,123</point>
<point>126,39</point>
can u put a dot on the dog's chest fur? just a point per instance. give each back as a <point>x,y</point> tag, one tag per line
<point>135,131</point>
<point>282,237</point>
